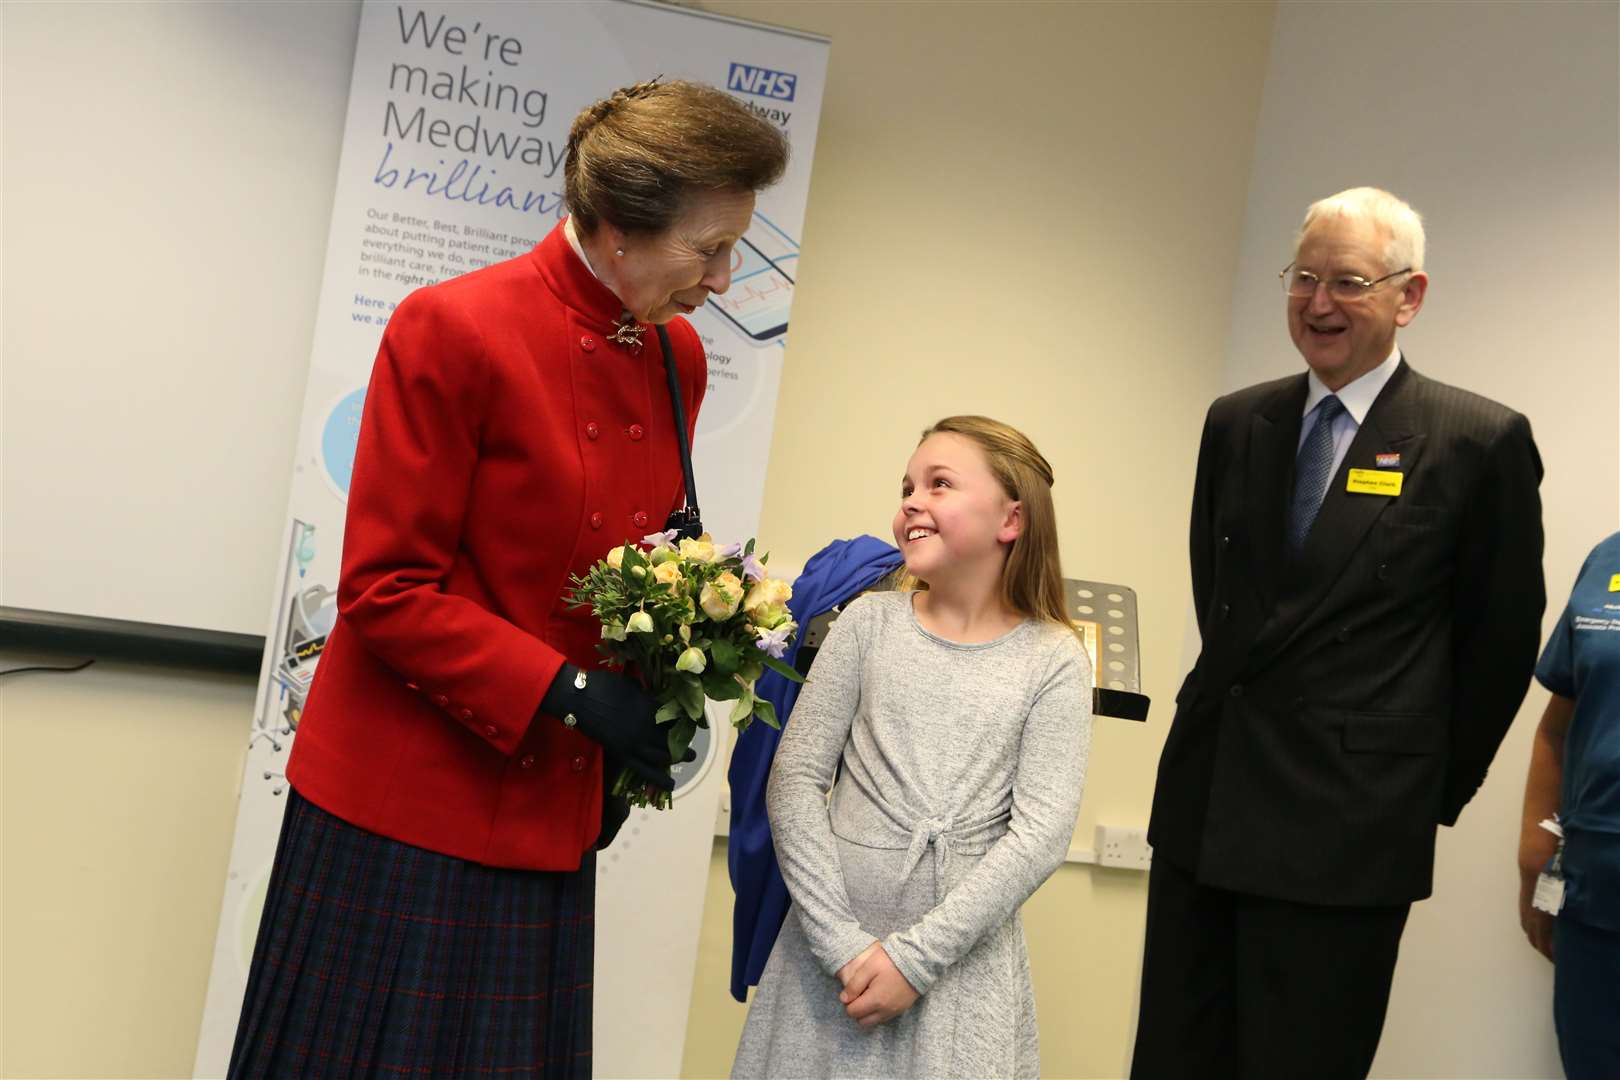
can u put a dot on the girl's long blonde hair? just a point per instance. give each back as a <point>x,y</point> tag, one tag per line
<point>1032,576</point>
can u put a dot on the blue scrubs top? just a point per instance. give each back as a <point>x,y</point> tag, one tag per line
<point>1582,662</point>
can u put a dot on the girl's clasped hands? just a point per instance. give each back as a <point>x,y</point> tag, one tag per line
<point>874,990</point>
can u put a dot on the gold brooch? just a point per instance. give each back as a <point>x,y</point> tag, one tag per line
<point>627,332</point>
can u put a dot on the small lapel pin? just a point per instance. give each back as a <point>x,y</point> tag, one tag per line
<point>1389,461</point>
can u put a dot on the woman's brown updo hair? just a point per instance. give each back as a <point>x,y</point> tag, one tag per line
<point>635,156</point>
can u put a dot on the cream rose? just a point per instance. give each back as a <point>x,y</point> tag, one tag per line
<point>768,591</point>
<point>667,573</point>
<point>615,558</point>
<point>699,550</point>
<point>721,597</point>
<point>767,603</point>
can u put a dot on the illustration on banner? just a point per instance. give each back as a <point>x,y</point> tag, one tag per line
<point>762,267</point>
<point>306,617</point>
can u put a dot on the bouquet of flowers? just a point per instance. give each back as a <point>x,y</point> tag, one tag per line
<point>691,621</point>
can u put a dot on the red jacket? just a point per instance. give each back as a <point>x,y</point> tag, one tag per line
<point>505,445</point>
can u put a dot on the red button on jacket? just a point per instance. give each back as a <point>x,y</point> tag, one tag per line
<point>443,547</point>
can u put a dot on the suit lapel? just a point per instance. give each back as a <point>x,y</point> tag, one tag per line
<point>1273,439</point>
<point>1345,517</point>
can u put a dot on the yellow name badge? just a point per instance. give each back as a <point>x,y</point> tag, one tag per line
<point>1375,482</point>
<point>1614,583</point>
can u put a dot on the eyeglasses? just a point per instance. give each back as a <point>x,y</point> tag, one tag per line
<point>1346,288</point>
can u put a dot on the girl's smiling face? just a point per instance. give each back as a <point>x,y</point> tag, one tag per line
<point>955,519</point>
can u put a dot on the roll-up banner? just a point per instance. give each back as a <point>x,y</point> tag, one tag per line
<point>454,139</point>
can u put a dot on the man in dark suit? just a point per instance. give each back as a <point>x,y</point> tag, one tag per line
<point>1366,564</point>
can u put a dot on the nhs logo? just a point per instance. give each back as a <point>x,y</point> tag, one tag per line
<point>762,82</point>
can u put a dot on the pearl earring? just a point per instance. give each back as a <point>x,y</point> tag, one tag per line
<point>619,253</point>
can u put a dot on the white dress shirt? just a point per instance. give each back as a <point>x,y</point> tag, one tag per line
<point>1356,396</point>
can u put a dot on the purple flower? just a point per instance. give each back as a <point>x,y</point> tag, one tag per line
<point>752,568</point>
<point>729,551</point>
<point>661,539</point>
<point>774,643</point>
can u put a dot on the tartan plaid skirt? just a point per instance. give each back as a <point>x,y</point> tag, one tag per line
<point>378,959</point>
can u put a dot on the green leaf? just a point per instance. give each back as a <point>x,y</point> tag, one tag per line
<point>680,737</point>
<point>725,656</point>
<point>744,708</point>
<point>781,669</point>
<point>764,710</point>
<point>689,692</point>
<point>668,711</point>
<point>748,548</point>
<point>721,687</point>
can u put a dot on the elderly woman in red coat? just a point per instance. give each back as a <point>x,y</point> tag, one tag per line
<point>430,908</point>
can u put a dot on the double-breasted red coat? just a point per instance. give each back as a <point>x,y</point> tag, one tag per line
<point>505,445</point>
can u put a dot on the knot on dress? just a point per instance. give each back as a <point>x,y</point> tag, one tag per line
<point>925,834</point>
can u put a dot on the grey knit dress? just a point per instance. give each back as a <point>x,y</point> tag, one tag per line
<point>962,768</point>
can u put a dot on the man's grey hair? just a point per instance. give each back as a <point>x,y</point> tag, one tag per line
<point>1402,224</point>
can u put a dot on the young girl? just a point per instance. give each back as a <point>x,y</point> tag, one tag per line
<point>960,712</point>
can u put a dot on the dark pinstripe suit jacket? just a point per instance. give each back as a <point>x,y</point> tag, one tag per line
<point>1349,699</point>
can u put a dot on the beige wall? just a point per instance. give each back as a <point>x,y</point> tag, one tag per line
<point>1031,211</point>
<point>1028,210</point>
<point>117,798</point>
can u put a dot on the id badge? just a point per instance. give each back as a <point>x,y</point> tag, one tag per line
<point>1374,482</point>
<point>1549,895</point>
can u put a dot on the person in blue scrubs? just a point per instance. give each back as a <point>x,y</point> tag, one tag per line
<point>1575,772</point>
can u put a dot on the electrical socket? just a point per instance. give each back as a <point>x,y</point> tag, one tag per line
<point>1122,848</point>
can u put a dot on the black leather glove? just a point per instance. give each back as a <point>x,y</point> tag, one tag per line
<point>614,710</point>
<point>615,808</point>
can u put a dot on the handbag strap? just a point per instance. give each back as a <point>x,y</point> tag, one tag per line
<point>680,421</point>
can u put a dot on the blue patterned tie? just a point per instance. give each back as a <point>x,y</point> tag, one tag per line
<point>1312,470</point>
